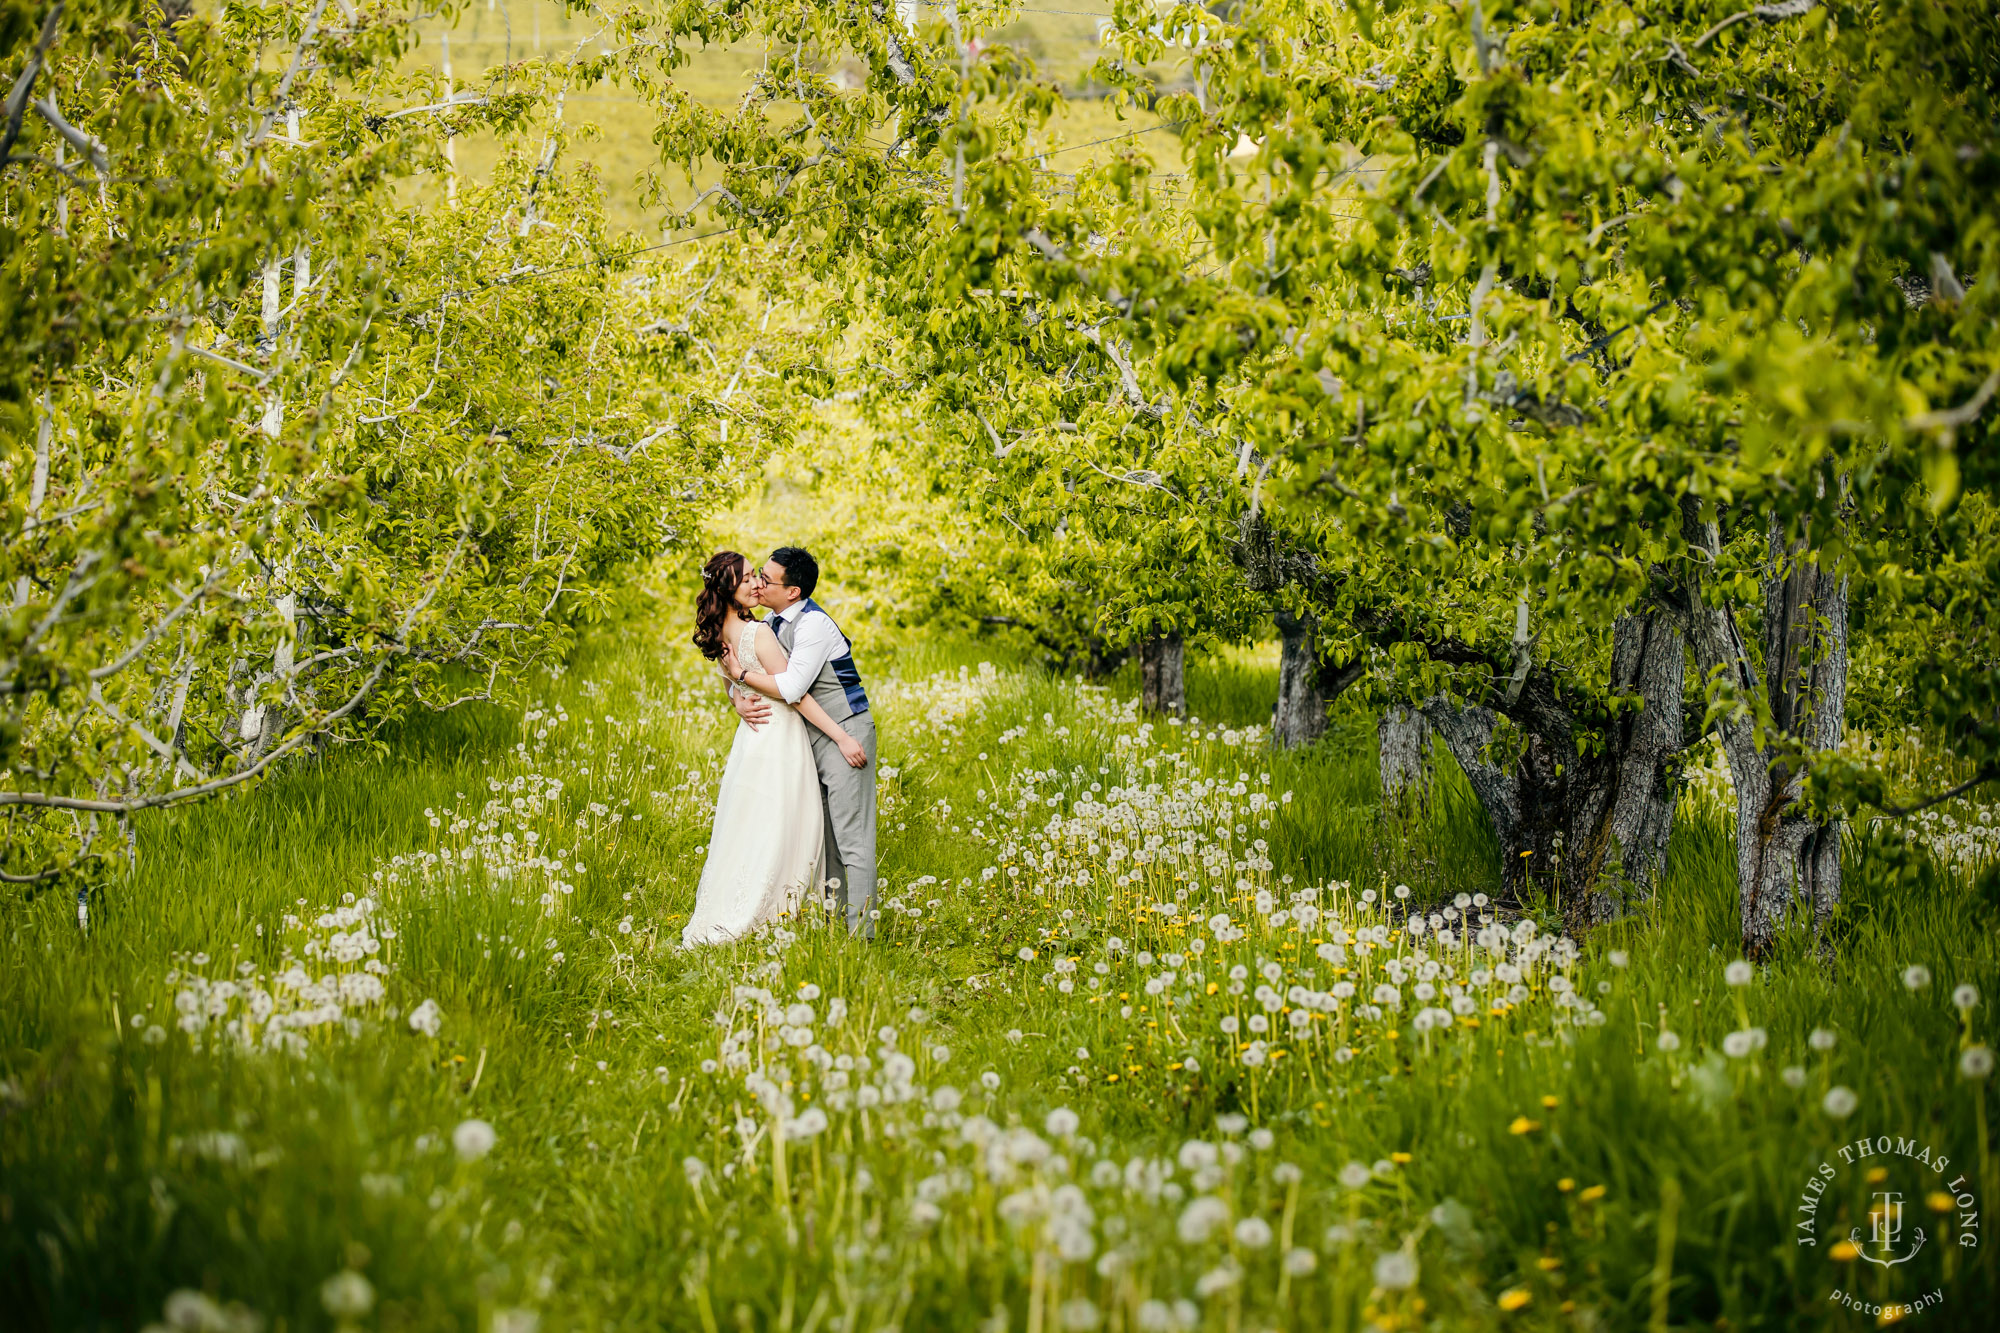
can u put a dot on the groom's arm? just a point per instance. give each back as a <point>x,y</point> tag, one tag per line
<point>816,644</point>
<point>813,647</point>
<point>752,707</point>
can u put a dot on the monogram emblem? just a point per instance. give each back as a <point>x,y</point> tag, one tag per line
<point>1885,1229</point>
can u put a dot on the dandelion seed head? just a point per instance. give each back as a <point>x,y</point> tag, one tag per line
<point>347,1295</point>
<point>1253,1233</point>
<point>473,1139</point>
<point>1396,1270</point>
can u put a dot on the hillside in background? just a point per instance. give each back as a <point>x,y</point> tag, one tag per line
<point>616,126</point>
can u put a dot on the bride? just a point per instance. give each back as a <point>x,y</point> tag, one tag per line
<point>764,849</point>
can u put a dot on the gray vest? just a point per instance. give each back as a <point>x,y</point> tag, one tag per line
<point>838,685</point>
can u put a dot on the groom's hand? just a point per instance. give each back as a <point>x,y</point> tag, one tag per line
<point>752,708</point>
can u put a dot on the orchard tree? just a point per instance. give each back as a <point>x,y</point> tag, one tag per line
<point>286,453</point>
<point>1664,308</point>
<point>1595,332</point>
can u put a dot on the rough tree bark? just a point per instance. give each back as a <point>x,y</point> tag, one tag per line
<point>1787,857</point>
<point>1590,829</point>
<point>1300,717</point>
<point>1621,827</point>
<point>1162,675</point>
<point>1403,742</point>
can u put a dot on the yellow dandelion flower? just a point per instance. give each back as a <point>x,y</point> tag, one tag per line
<point>1548,1263</point>
<point>1845,1252</point>
<point>1514,1298</point>
<point>1939,1201</point>
<point>1550,1103</point>
<point>1522,1125</point>
<point>1565,1184</point>
<point>1592,1195</point>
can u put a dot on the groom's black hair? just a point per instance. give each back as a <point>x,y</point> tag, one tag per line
<point>801,570</point>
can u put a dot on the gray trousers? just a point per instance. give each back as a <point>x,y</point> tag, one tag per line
<point>847,800</point>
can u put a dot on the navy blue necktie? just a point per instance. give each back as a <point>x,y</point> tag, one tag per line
<point>775,622</point>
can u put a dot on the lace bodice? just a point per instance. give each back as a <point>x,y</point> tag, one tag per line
<point>746,655</point>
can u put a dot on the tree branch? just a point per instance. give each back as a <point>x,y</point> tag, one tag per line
<point>398,648</point>
<point>1986,774</point>
<point>263,377</point>
<point>1125,371</point>
<point>181,795</point>
<point>17,98</point>
<point>291,73</point>
<point>1000,450</point>
<point>899,64</point>
<point>1962,415</point>
<point>152,635</point>
<point>83,143</point>
<point>1784,9</point>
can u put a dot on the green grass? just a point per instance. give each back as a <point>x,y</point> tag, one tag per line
<point>130,1169</point>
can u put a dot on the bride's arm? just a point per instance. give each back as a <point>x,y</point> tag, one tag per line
<point>850,749</point>
<point>766,682</point>
<point>769,651</point>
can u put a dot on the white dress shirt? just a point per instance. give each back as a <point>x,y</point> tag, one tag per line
<point>815,642</point>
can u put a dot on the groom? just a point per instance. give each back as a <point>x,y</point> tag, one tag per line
<point>822,665</point>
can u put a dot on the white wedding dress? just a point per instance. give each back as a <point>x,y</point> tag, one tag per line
<point>764,849</point>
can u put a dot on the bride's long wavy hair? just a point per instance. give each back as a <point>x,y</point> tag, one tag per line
<point>720,578</point>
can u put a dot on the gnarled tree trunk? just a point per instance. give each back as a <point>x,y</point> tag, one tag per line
<point>1590,829</point>
<point>1403,743</point>
<point>1787,858</point>
<point>1620,826</point>
<point>1300,718</point>
<point>1162,675</point>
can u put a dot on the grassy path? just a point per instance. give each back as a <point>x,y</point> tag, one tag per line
<point>1148,1041</point>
